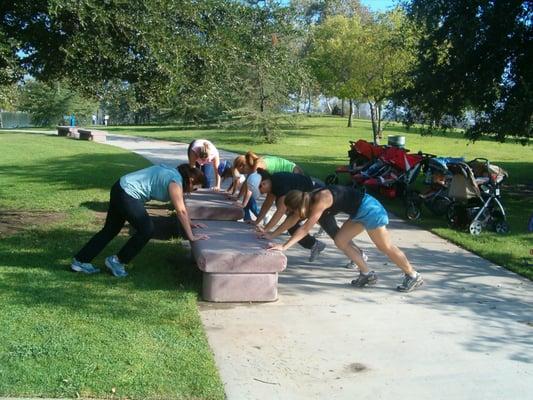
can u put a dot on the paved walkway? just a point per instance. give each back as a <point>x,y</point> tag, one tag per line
<point>466,334</point>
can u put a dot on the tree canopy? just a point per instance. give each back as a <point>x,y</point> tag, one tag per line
<point>473,56</point>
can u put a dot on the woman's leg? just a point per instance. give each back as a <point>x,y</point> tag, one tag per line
<point>328,222</point>
<point>381,238</point>
<point>113,224</point>
<point>137,216</point>
<point>343,240</point>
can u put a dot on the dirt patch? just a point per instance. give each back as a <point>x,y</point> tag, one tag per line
<point>12,222</point>
<point>357,368</point>
<point>166,224</point>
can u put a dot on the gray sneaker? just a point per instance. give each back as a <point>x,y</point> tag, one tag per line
<point>409,284</point>
<point>115,266</point>
<point>351,264</point>
<point>317,248</point>
<point>319,233</point>
<point>86,268</point>
<point>363,280</point>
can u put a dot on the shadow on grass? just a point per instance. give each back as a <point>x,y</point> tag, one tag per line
<point>36,272</point>
<point>81,171</point>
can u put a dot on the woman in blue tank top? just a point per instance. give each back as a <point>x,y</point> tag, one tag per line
<point>366,213</point>
<point>127,199</point>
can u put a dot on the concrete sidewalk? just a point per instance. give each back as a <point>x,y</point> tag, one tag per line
<point>466,334</point>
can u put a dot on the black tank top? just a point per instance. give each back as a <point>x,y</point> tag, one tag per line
<point>346,199</point>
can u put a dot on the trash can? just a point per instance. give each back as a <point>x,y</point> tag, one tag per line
<point>397,141</point>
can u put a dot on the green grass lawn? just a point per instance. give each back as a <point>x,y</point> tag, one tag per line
<point>67,335</point>
<point>318,144</point>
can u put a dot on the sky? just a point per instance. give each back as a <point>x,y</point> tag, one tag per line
<point>379,5</point>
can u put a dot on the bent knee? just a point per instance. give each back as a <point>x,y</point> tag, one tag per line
<point>341,243</point>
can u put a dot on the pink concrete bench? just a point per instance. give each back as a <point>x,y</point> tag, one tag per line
<point>236,266</point>
<point>94,135</point>
<point>211,205</point>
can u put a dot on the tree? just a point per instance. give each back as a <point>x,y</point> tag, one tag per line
<point>362,59</point>
<point>49,103</point>
<point>473,56</point>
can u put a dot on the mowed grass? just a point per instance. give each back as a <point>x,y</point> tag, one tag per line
<point>68,335</point>
<point>319,144</point>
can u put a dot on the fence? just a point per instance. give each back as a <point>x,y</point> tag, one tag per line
<point>14,119</point>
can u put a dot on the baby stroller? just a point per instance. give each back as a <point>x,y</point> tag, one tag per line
<point>393,172</point>
<point>435,198</point>
<point>475,194</point>
<point>362,154</point>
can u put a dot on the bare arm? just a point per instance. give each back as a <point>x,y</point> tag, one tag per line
<point>323,201</point>
<point>280,212</point>
<point>216,163</point>
<point>264,208</point>
<point>289,222</point>
<point>176,197</point>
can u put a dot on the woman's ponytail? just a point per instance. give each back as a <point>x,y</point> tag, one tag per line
<point>298,202</point>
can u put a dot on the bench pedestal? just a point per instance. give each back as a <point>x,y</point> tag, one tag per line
<point>236,266</point>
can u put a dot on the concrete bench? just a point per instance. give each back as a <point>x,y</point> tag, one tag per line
<point>236,266</point>
<point>211,205</point>
<point>70,131</point>
<point>94,135</point>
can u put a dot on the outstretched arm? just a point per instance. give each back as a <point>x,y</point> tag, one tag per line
<point>264,208</point>
<point>176,197</point>
<point>216,163</point>
<point>280,212</point>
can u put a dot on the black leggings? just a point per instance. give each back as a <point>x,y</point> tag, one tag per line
<point>122,208</point>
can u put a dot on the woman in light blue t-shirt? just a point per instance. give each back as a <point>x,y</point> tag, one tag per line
<point>128,196</point>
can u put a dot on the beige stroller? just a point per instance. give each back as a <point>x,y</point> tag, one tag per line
<point>475,193</point>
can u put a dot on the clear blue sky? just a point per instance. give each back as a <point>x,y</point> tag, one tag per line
<point>379,5</point>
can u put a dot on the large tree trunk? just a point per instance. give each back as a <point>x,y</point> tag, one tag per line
<point>342,107</point>
<point>375,115</point>
<point>351,113</point>
<point>299,99</point>
<point>309,100</point>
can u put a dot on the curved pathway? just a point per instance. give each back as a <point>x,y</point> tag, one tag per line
<point>466,334</point>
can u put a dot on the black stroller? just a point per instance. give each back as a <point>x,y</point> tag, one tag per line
<point>437,176</point>
<point>475,193</point>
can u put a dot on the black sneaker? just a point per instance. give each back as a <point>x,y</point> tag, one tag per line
<point>317,248</point>
<point>363,280</point>
<point>409,284</point>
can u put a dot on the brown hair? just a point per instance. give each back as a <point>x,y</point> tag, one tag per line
<point>239,162</point>
<point>299,202</point>
<point>187,173</point>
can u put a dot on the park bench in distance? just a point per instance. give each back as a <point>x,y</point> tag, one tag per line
<point>70,131</point>
<point>92,134</point>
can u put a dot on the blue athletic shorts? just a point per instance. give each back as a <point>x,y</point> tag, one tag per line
<point>371,213</point>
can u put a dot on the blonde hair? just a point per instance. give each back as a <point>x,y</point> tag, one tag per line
<point>299,202</point>
<point>204,152</point>
<point>252,160</point>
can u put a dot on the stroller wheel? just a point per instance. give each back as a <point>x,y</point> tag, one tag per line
<point>412,211</point>
<point>475,228</point>
<point>332,179</point>
<point>501,227</point>
<point>439,205</point>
